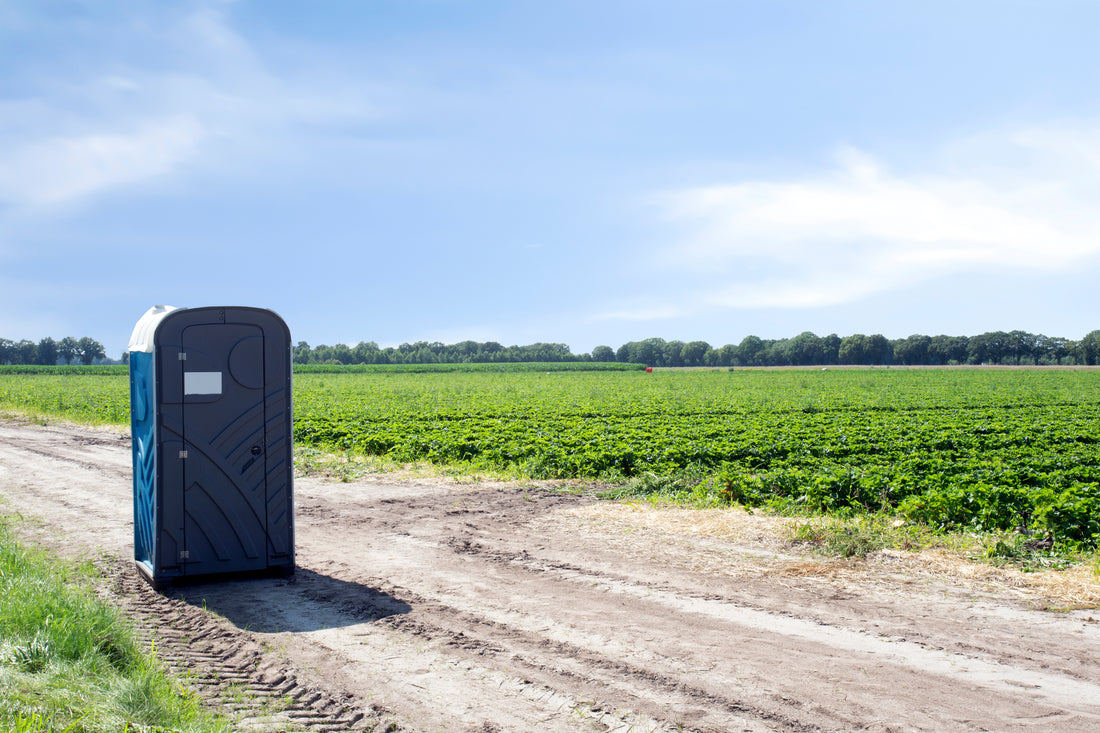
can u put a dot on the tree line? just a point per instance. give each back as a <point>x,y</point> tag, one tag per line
<point>49,352</point>
<point>422,352</point>
<point>808,349</point>
<point>805,349</point>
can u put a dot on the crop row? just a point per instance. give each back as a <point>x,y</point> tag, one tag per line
<point>64,369</point>
<point>989,449</point>
<point>981,449</point>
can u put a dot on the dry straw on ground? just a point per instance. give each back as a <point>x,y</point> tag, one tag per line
<point>1073,588</point>
<point>736,542</point>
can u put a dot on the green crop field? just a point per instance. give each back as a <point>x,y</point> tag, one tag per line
<point>987,449</point>
<point>89,397</point>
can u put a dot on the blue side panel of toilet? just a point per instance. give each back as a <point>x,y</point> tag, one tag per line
<point>143,425</point>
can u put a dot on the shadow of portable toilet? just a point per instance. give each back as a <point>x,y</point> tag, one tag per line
<point>210,418</point>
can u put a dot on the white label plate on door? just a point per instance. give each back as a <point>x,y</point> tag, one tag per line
<point>202,383</point>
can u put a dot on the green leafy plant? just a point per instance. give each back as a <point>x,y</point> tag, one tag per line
<point>950,450</point>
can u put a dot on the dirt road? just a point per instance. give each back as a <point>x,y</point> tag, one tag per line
<point>424,606</point>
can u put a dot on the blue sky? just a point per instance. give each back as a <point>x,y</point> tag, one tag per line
<point>588,172</point>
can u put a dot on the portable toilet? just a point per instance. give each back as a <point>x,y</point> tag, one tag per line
<point>210,399</point>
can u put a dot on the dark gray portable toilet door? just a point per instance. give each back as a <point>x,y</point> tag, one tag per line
<point>225,493</point>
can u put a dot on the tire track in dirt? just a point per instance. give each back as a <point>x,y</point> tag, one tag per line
<point>228,669</point>
<point>966,663</point>
<point>795,644</point>
<point>442,671</point>
<point>562,665</point>
<point>595,666</point>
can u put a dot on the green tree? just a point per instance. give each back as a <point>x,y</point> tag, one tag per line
<point>367,352</point>
<point>725,356</point>
<point>988,348</point>
<point>603,353</point>
<point>671,354</point>
<point>68,349</point>
<point>301,353</point>
<point>90,350</point>
<point>342,353</point>
<point>1088,349</point>
<point>47,351</point>
<point>912,350</point>
<point>650,352</point>
<point>854,349</point>
<point>805,349</point>
<point>777,352</point>
<point>749,348</point>
<point>26,352</point>
<point>1052,349</point>
<point>1022,347</point>
<point>491,351</point>
<point>465,350</point>
<point>694,353</point>
<point>882,351</point>
<point>943,349</point>
<point>830,349</point>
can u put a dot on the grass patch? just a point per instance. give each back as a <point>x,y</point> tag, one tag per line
<point>68,660</point>
<point>865,534</point>
<point>862,535</point>
<point>680,487</point>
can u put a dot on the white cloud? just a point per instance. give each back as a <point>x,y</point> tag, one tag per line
<point>860,230</point>
<point>60,169</point>
<point>1065,144</point>
<point>205,100</point>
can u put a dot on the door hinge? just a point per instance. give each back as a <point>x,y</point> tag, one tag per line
<point>183,454</point>
<point>185,554</point>
<point>183,356</point>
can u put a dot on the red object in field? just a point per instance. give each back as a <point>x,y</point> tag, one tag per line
<point>649,370</point>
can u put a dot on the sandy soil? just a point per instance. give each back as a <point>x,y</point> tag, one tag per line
<point>432,606</point>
